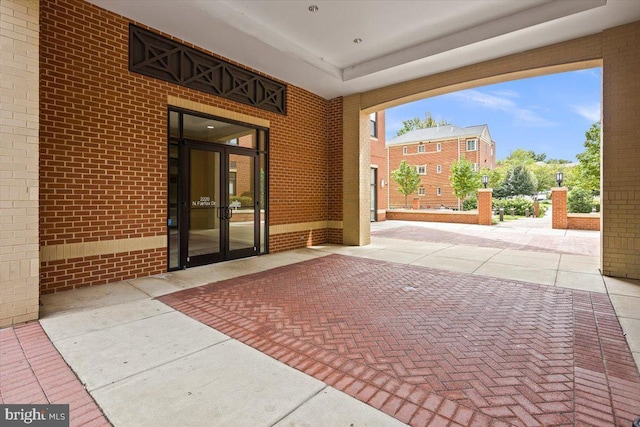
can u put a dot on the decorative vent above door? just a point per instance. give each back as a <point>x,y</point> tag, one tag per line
<point>156,56</point>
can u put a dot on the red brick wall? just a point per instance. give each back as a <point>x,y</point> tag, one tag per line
<point>334,177</point>
<point>583,222</point>
<point>103,148</point>
<point>379,158</point>
<point>452,217</point>
<point>432,180</point>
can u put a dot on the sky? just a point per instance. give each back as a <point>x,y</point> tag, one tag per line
<point>548,114</point>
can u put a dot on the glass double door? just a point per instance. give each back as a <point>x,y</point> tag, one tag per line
<point>218,210</point>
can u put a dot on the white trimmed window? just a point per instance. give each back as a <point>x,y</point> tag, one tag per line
<point>438,191</point>
<point>475,167</point>
<point>404,150</point>
<point>438,147</point>
<point>492,151</point>
<point>422,169</point>
<point>439,169</point>
<point>421,148</point>
<point>421,191</point>
<point>472,145</point>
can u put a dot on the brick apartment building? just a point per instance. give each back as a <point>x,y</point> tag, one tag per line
<point>432,151</point>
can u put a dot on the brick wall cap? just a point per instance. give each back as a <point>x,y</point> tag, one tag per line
<point>584,215</point>
<point>559,189</point>
<point>485,190</point>
<point>433,211</point>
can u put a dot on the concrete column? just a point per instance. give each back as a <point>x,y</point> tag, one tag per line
<point>559,208</point>
<point>485,212</point>
<point>19,123</point>
<point>356,163</point>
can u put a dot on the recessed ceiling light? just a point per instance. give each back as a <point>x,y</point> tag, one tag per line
<point>357,40</point>
<point>210,127</point>
<point>313,8</point>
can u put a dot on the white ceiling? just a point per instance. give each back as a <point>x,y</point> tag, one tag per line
<point>401,39</point>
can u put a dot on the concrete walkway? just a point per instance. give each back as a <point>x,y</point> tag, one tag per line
<point>146,363</point>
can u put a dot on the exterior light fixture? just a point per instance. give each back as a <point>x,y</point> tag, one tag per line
<point>357,40</point>
<point>485,180</point>
<point>313,8</point>
<point>559,178</point>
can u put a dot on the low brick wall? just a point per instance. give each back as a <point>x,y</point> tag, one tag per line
<point>576,221</point>
<point>470,217</point>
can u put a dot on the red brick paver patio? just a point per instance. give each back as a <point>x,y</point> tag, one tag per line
<point>33,372</point>
<point>576,245</point>
<point>432,347</point>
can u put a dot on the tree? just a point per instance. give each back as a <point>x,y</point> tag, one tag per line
<point>520,181</point>
<point>407,178</point>
<point>588,168</point>
<point>537,157</point>
<point>464,179</point>
<point>416,123</point>
<point>545,176</point>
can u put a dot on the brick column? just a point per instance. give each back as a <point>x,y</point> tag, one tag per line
<point>20,263</point>
<point>416,203</point>
<point>485,213</point>
<point>559,208</point>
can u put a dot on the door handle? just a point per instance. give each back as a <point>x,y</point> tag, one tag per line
<point>229,213</point>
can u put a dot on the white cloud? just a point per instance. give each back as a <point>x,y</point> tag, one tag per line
<point>504,101</point>
<point>590,112</point>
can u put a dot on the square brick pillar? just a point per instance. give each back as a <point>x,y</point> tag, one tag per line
<point>485,213</point>
<point>559,208</point>
<point>416,203</point>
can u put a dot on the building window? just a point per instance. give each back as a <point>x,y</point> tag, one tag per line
<point>421,191</point>
<point>438,191</point>
<point>373,118</point>
<point>421,149</point>
<point>472,145</point>
<point>438,147</point>
<point>404,150</point>
<point>492,151</point>
<point>422,169</point>
<point>475,167</point>
<point>439,169</point>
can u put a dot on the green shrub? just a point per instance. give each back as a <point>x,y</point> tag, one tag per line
<point>519,205</point>
<point>579,201</point>
<point>470,203</point>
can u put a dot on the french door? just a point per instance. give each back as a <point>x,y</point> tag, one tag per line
<point>217,190</point>
<point>219,213</point>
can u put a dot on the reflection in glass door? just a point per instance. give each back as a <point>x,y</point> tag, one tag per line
<point>204,207</point>
<point>242,221</point>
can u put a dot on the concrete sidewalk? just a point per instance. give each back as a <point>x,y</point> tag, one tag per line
<point>145,363</point>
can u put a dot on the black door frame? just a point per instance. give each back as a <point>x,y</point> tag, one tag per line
<point>260,193</point>
<point>224,212</point>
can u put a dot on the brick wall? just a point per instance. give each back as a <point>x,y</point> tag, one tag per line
<point>577,221</point>
<point>104,154</point>
<point>620,154</point>
<point>19,262</point>
<point>379,159</point>
<point>426,216</point>
<point>334,175</point>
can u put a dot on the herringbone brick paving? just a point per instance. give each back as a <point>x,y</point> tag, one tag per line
<point>431,347</point>
<point>491,239</point>
<point>33,372</point>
